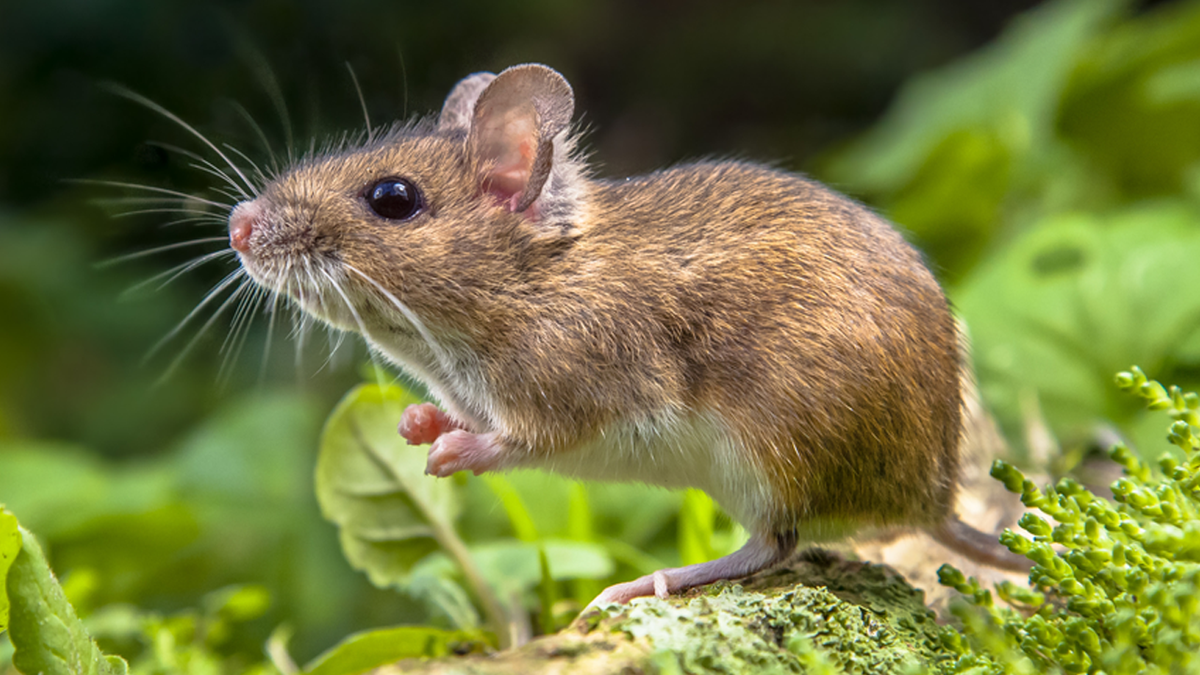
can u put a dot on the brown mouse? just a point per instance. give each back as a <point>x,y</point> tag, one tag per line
<point>721,325</point>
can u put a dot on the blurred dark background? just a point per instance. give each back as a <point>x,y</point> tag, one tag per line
<point>1025,120</point>
<point>657,83</point>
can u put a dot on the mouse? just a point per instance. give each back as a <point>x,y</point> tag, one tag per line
<point>719,325</point>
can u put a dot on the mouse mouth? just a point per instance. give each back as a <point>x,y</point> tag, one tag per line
<point>282,262</point>
<point>320,290</point>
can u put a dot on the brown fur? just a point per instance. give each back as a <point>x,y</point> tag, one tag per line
<point>801,318</point>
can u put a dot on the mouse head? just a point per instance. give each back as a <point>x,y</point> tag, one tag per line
<point>424,227</point>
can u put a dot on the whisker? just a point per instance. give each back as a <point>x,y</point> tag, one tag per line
<point>104,264</point>
<point>303,322</point>
<point>361,327</point>
<point>235,341</point>
<point>149,188</point>
<point>333,337</point>
<point>237,194</point>
<point>204,166</point>
<point>235,197</point>
<point>408,314</point>
<point>209,218</point>
<point>258,131</point>
<point>178,270</point>
<point>362,102</point>
<point>266,77</point>
<point>204,302</point>
<point>138,98</point>
<point>203,329</point>
<point>258,172</point>
<point>239,317</point>
<point>142,212</point>
<point>404,82</point>
<point>200,162</point>
<point>272,312</point>
<point>112,201</point>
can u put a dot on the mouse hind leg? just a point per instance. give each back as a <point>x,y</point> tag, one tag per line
<point>759,553</point>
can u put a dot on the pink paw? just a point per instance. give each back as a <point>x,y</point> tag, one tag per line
<point>461,450</point>
<point>423,423</point>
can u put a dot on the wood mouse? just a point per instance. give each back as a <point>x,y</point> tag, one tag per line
<point>720,325</point>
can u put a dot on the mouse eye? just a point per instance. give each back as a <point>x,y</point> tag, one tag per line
<point>394,199</point>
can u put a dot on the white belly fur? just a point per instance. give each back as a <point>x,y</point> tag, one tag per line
<point>693,450</point>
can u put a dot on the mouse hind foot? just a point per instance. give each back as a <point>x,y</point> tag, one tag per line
<point>759,553</point>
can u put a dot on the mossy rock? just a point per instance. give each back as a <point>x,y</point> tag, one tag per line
<point>821,614</point>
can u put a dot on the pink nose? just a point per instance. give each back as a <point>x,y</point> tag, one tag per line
<point>241,226</point>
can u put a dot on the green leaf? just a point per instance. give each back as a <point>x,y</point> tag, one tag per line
<point>696,520</point>
<point>433,582</point>
<point>518,515</point>
<point>1133,102</point>
<point>580,527</point>
<point>373,486</point>
<point>513,566</point>
<point>547,594</point>
<point>10,545</point>
<point>1011,88</point>
<point>238,603</point>
<point>1077,298</point>
<point>363,651</point>
<point>84,487</point>
<point>390,515</point>
<point>961,141</point>
<point>48,637</point>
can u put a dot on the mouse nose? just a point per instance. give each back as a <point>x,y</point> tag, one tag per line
<point>241,225</point>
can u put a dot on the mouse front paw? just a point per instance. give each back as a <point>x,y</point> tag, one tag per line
<point>461,450</point>
<point>422,423</point>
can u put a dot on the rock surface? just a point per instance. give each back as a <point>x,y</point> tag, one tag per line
<point>819,612</point>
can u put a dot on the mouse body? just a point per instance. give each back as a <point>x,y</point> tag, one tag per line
<point>720,325</point>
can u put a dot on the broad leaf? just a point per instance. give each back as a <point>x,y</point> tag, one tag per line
<point>1063,307</point>
<point>363,651</point>
<point>959,142</point>
<point>10,545</point>
<point>372,484</point>
<point>47,636</point>
<point>433,581</point>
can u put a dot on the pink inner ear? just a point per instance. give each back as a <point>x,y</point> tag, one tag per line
<point>508,147</point>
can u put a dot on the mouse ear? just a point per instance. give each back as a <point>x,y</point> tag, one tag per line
<point>460,104</point>
<point>513,127</point>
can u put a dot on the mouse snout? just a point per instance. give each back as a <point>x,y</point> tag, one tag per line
<point>242,222</point>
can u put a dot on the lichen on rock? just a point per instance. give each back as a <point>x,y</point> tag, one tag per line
<point>821,614</point>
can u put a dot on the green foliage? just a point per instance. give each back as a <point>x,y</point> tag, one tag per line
<point>1076,298</point>
<point>47,635</point>
<point>363,651</point>
<point>232,503</point>
<point>696,518</point>
<point>373,487</point>
<point>1053,179</point>
<point>1117,582</point>
<point>10,546</point>
<point>960,141</point>
<point>398,525</point>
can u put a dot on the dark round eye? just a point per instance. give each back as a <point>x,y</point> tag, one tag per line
<point>394,199</point>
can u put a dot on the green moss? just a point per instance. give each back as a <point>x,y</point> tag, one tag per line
<point>816,616</point>
<point>740,631</point>
<point>1117,580</point>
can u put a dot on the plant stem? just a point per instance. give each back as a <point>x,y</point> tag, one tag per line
<point>492,609</point>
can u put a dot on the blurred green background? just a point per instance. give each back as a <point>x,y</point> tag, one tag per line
<point>1046,157</point>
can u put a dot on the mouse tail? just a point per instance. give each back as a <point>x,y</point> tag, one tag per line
<point>983,548</point>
